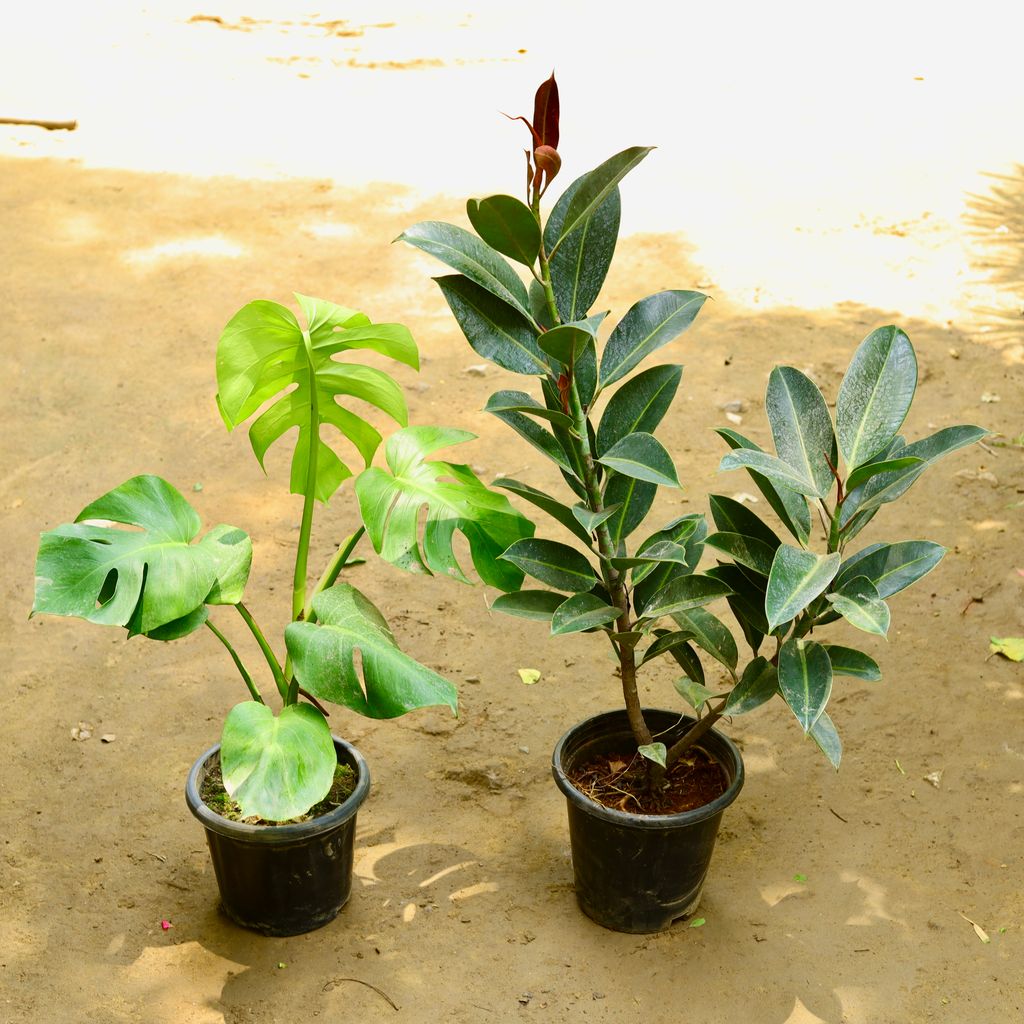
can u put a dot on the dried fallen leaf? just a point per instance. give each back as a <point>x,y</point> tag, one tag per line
<point>529,675</point>
<point>978,930</point>
<point>1011,647</point>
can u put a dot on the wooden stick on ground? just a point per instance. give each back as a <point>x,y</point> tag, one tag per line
<point>50,126</point>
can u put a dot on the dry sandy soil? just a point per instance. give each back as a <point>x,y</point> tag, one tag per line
<point>463,908</point>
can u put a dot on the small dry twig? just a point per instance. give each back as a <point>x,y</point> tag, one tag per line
<point>359,981</point>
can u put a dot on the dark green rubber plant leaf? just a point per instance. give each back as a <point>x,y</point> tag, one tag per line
<point>683,594</point>
<point>639,404</point>
<point>649,324</point>
<point>891,567</point>
<point>472,258</point>
<point>390,502</point>
<point>805,679</point>
<point>508,225</point>
<point>323,654</point>
<point>687,531</point>
<point>146,578</point>
<point>276,766</point>
<point>642,457</point>
<point>875,395</point>
<point>847,661</point>
<point>265,356</point>
<point>580,612</point>
<point>581,262</point>
<point>824,734</point>
<point>494,329</point>
<point>801,428</point>
<point>748,551</point>
<point>758,684</point>
<point>553,563</point>
<point>530,604</point>
<point>797,578</point>
<point>709,633</point>
<point>858,602</point>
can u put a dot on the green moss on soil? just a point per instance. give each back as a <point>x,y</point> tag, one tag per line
<point>216,798</point>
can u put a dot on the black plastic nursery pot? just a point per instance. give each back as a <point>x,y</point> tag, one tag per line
<point>283,879</point>
<point>639,872</point>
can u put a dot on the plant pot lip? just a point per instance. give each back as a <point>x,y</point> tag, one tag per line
<point>278,834</point>
<point>646,821</point>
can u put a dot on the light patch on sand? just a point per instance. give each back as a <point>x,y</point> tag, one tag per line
<point>330,229</point>
<point>215,246</point>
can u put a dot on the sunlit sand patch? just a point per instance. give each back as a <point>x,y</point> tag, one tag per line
<point>874,900</point>
<point>990,524</point>
<point>473,890</point>
<point>330,229</point>
<point>773,895</point>
<point>210,246</point>
<point>801,1015</point>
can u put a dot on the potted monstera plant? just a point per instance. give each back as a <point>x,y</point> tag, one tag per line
<point>278,795</point>
<point>646,788</point>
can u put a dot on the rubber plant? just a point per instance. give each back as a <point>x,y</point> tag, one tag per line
<point>595,420</point>
<point>155,578</point>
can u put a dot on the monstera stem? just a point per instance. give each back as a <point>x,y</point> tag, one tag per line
<point>331,573</point>
<point>256,696</point>
<point>268,653</point>
<point>309,491</point>
<point>613,580</point>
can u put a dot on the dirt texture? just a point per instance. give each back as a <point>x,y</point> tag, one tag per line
<point>834,897</point>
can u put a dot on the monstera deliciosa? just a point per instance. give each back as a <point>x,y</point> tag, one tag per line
<point>132,558</point>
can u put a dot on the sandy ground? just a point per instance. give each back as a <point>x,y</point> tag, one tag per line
<point>117,280</point>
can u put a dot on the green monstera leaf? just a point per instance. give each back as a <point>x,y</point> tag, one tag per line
<point>265,355</point>
<point>152,580</point>
<point>323,654</point>
<point>276,766</point>
<point>455,500</point>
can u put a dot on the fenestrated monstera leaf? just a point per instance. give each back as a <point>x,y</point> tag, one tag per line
<point>264,351</point>
<point>276,766</point>
<point>390,504</point>
<point>323,656</point>
<point>153,580</point>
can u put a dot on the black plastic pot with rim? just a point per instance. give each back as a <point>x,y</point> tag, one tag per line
<point>639,872</point>
<point>283,879</point>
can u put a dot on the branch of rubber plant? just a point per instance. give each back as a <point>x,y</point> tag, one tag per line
<point>333,570</point>
<point>256,695</point>
<point>275,666</point>
<point>693,734</point>
<point>309,494</point>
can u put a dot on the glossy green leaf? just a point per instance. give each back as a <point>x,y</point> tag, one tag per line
<point>875,395</point>
<point>585,374</point>
<point>805,679</point>
<point>797,577</point>
<point>594,188</point>
<point>666,642</point>
<point>892,567</point>
<point>508,225</point>
<point>780,474</point>
<point>580,264</point>
<point>687,659</point>
<point>565,343</point>
<point>529,604</point>
<point>858,602</point>
<point>536,435</point>
<point>494,330</point>
<point>559,512</point>
<point>889,486</point>
<point>695,694</point>
<point>732,516</point>
<point>824,734</point>
<point>688,532</point>
<point>710,633</point>
<point>642,457</point>
<point>846,661</point>
<point>633,499</point>
<point>555,564</point>
<point>656,554</point>
<point>142,579</point>
<point>871,469</point>
<point>472,258</point>
<point>758,684</point>
<point>323,654</point>
<point>655,752</point>
<point>788,505</point>
<point>391,502</point>
<point>684,593</point>
<point>264,356</point>
<point>520,401</point>
<point>589,520</point>
<point>801,428</point>
<point>639,405</point>
<point>649,324</point>
<point>748,551</point>
<point>276,766</point>
<point>580,612</point>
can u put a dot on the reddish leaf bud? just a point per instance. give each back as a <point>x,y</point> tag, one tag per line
<point>545,113</point>
<point>547,160</point>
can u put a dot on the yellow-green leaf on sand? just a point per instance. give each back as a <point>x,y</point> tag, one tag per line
<point>529,675</point>
<point>1011,647</point>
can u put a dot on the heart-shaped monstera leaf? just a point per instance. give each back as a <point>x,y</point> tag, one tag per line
<point>323,654</point>
<point>454,499</point>
<point>276,766</point>
<point>265,355</point>
<point>152,580</point>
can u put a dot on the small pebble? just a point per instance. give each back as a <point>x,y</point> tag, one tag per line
<point>477,370</point>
